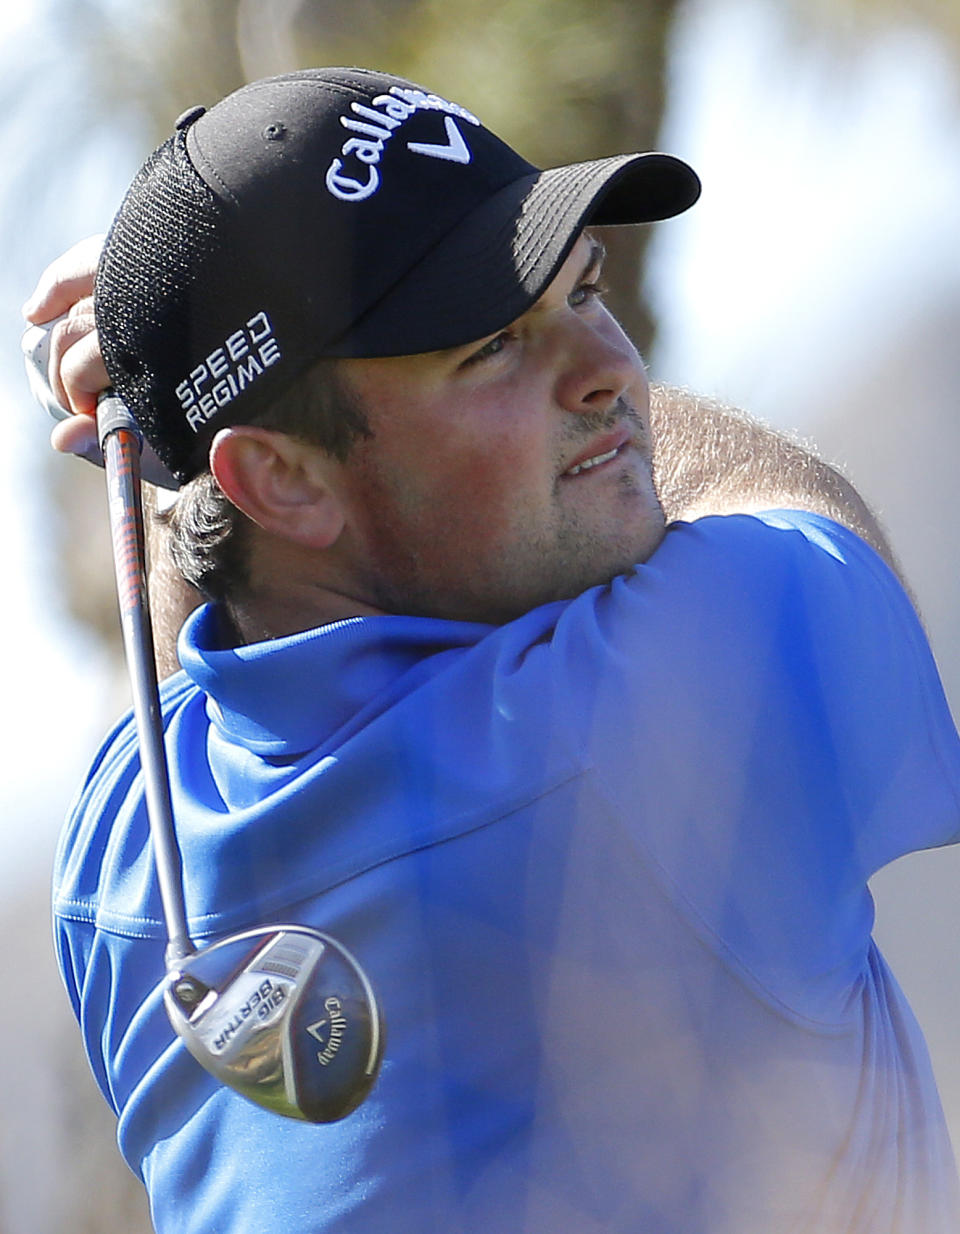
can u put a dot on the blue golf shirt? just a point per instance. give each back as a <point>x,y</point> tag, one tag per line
<point>606,867</point>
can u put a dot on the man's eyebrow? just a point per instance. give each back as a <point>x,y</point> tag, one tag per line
<point>597,255</point>
<point>592,265</point>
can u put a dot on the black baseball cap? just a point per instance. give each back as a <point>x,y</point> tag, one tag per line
<point>333,212</point>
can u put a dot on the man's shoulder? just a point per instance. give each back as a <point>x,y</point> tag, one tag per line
<point>778,530</point>
<point>107,805</point>
<point>121,743</point>
<point>753,555</point>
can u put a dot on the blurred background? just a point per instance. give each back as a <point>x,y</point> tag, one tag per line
<point>817,284</point>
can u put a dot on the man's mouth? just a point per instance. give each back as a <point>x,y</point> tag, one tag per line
<point>595,461</point>
<point>615,444</point>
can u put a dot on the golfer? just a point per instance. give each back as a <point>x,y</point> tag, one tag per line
<point>581,719</point>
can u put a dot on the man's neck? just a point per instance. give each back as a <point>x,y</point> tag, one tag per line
<point>275,613</point>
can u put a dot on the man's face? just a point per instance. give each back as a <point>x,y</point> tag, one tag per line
<point>507,473</point>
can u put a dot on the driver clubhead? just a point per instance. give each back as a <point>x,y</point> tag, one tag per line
<point>283,1015</point>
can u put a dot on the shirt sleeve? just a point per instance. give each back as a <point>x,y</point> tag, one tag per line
<point>764,713</point>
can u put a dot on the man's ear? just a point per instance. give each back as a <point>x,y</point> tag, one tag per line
<point>279,482</point>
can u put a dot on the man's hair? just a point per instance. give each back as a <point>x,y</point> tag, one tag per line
<point>209,536</point>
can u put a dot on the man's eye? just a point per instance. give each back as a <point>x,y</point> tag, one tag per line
<point>585,292</point>
<point>491,348</point>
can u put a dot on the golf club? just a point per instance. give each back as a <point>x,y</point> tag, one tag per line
<point>282,1014</point>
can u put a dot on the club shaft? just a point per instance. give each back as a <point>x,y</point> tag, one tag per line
<point>121,443</point>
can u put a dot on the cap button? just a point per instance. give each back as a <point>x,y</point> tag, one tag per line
<point>188,117</point>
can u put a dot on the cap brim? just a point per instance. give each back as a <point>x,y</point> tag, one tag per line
<point>498,261</point>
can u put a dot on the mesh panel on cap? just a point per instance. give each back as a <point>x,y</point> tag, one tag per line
<point>160,244</point>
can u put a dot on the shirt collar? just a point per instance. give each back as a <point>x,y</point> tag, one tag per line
<point>289,695</point>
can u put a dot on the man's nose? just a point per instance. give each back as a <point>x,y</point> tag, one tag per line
<point>599,365</point>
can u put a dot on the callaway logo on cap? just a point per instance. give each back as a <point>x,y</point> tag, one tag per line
<point>333,212</point>
<point>376,124</point>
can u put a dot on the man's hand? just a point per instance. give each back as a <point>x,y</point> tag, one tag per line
<point>76,374</point>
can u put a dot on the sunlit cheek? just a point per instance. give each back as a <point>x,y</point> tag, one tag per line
<point>484,494</point>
